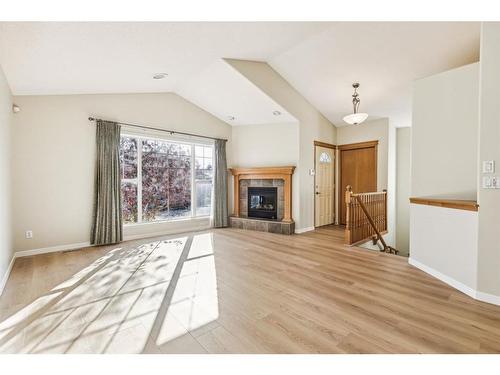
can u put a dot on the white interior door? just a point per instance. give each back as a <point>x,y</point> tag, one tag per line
<point>324,186</point>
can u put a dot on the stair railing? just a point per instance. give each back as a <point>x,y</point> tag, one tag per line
<point>366,218</point>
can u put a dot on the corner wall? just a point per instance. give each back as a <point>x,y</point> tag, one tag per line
<point>488,283</point>
<point>403,166</point>
<point>5,191</point>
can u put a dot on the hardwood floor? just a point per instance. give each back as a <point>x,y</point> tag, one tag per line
<point>237,291</point>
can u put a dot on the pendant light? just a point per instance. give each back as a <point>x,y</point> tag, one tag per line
<point>355,118</point>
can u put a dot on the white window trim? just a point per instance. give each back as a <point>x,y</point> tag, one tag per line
<point>193,143</point>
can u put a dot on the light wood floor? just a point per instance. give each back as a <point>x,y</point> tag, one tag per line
<point>236,291</point>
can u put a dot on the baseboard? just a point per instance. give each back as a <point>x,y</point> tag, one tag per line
<point>51,249</point>
<point>303,230</point>
<point>80,245</point>
<point>7,274</point>
<point>165,233</point>
<point>486,297</point>
<point>473,293</point>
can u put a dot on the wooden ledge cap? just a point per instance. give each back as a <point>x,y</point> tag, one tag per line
<point>459,204</point>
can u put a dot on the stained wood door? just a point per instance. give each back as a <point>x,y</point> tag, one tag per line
<point>324,186</point>
<point>358,168</point>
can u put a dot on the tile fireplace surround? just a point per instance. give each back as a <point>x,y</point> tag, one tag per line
<point>279,177</point>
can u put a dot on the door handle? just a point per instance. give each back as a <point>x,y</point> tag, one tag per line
<point>317,193</point>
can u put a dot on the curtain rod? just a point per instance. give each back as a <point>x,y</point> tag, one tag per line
<point>159,129</point>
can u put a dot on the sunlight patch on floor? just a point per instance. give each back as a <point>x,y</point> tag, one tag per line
<point>115,304</point>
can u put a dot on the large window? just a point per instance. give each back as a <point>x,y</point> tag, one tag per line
<point>163,179</point>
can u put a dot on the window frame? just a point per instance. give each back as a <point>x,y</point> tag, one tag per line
<point>192,143</point>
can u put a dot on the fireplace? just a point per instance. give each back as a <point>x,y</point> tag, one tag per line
<point>262,202</point>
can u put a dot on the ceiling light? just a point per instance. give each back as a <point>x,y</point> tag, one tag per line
<point>355,118</point>
<point>159,75</point>
<point>230,118</point>
<point>276,113</point>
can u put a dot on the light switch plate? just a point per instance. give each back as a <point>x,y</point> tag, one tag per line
<point>489,166</point>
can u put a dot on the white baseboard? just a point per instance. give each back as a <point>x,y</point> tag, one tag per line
<point>486,297</point>
<point>480,296</point>
<point>165,233</point>
<point>51,249</point>
<point>303,230</point>
<point>81,245</point>
<point>7,274</point>
<point>446,279</point>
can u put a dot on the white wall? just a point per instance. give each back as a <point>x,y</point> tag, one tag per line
<point>312,126</point>
<point>53,162</point>
<point>489,149</point>
<point>403,154</point>
<point>444,134</point>
<point>444,244</point>
<point>382,131</point>
<point>5,207</point>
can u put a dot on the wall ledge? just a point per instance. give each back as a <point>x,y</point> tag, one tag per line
<point>471,292</point>
<point>459,204</point>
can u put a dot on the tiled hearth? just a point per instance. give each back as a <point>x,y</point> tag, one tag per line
<point>279,177</point>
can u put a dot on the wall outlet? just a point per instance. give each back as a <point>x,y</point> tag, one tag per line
<point>495,182</point>
<point>489,166</point>
<point>491,182</point>
<point>29,234</point>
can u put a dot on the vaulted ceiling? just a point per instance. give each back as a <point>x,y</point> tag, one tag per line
<point>320,59</point>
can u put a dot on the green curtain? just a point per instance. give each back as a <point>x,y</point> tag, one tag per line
<point>107,225</point>
<point>220,218</point>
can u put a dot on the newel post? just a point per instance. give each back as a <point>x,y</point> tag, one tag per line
<point>348,196</point>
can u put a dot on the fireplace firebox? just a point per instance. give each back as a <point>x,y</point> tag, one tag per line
<point>262,202</point>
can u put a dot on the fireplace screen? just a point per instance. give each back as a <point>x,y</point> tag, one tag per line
<point>262,202</point>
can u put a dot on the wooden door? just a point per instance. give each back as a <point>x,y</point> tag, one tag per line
<point>324,181</point>
<point>358,168</point>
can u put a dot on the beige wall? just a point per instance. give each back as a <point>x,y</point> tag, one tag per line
<point>5,147</point>
<point>489,149</point>
<point>381,131</point>
<point>403,143</point>
<point>53,166</point>
<point>312,126</point>
<point>444,134</point>
<point>267,145</point>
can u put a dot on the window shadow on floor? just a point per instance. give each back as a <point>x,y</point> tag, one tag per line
<point>138,298</point>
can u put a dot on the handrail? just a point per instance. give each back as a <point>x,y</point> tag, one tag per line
<point>366,218</point>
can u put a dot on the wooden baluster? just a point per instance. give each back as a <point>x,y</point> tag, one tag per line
<point>348,222</point>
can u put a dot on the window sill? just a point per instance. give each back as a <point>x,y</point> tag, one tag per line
<point>184,219</point>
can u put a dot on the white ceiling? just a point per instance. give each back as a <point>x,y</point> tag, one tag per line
<point>320,60</point>
<point>385,58</point>
<point>223,91</point>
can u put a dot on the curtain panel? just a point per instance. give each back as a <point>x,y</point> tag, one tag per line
<point>107,225</point>
<point>220,214</point>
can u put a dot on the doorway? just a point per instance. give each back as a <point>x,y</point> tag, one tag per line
<point>324,184</point>
<point>358,168</point>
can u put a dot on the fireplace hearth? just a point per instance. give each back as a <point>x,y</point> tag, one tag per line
<point>262,202</point>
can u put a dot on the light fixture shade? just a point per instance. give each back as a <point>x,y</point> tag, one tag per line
<point>356,118</point>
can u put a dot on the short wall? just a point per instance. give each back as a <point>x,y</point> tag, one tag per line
<point>443,243</point>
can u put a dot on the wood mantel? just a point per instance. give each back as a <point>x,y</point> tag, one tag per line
<point>265,173</point>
